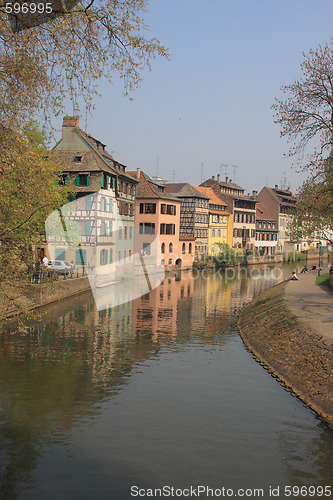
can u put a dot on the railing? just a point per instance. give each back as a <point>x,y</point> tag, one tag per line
<point>45,276</point>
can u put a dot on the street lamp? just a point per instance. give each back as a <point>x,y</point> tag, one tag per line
<point>319,257</point>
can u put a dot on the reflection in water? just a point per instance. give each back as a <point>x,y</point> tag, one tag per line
<point>90,398</point>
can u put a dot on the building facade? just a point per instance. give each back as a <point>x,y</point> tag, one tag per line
<point>266,231</point>
<point>157,214</point>
<point>101,217</point>
<point>220,222</point>
<point>194,215</point>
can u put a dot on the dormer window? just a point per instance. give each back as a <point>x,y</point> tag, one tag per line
<point>78,159</point>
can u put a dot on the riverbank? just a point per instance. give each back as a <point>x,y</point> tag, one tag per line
<point>29,297</point>
<point>289,329</point>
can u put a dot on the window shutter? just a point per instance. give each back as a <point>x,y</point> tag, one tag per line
<point>88,180</point>
<point>77,180</point>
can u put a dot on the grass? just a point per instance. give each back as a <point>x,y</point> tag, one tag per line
<point>323,279</point>
<point>262,301</point>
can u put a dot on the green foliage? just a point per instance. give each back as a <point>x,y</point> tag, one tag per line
<point>226,255</point>
<point>28,194</point>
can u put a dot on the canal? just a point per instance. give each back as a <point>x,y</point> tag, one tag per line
<point>158,392</point>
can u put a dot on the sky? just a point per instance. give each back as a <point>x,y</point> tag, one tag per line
<point>208,109</point>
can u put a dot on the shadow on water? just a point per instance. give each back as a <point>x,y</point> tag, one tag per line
<point>77,366</point>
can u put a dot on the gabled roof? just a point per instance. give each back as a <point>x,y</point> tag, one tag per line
<point>90,162</point>
<point>184,190</point>
<point>282,196</point>
<point>147,188</point>
<point>101,159</point>
<point>262,213</point>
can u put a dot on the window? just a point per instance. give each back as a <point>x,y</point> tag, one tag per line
<point>125,232</point>
<point>88,228</point>
<point>103,228</point>
<point>80,257</point>
<point>78,159</point>
<point>171,209</point>
<point>105,181</point>
<point>149,208</point>
<point>88,203</point>
<point>163,208</point>
<point>163,248</point>
<point>170,247</point>
<point>60,254</point>
<point>147,228</point>
<point>110,205</point>
<point>190,248</point>
<point>103,257</point>
<point>162,228</point>
<point>111,256</point>
<point>63,180</point>
<point>82,180</point>
<point>130,232</point>
<point>183,248</point>
<point>110,228</point>
<point>169,228</point>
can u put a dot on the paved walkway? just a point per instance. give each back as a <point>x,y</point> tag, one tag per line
<point>313,304</point>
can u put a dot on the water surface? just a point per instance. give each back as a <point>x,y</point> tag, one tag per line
<point>156,392</point>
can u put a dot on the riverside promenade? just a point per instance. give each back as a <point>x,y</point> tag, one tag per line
<point>311,303</point>
<point>289,329</point>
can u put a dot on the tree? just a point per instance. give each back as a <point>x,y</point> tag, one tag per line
<point>28,194</point>
<point>66,57</point>
<point>306,119</point>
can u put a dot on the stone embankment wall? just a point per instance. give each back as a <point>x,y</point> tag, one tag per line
<point>30,297</point>
<point>298,357</point>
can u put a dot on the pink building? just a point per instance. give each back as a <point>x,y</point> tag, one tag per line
<point>157,213</point>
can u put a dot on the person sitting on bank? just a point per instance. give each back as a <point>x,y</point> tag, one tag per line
<point>304,270</point>
<point>292,277</point>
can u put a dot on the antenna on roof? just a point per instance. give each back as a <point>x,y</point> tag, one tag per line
<point>223,166</point>
<point>234,170</point>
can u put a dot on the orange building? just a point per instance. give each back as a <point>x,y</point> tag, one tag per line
<point>158,214</point>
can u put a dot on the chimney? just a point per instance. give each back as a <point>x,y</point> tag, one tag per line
<point>276,186</point>
<point>226,180</point>
<point>71,121</point>
<point>218,178</point>
<point>254,194</point>
<point>213,177</point>
<point>138,173</point>
<point>230,181</point>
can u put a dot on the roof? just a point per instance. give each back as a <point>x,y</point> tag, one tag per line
<point>184,190</point>
<point>214,198</point>
<point>99,157</point>
<point>90,162</point>
<point>282,196</point>
<point>262,213</point>
<point>147,188</point>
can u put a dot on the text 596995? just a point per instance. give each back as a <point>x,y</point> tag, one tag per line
<point>28,8</point>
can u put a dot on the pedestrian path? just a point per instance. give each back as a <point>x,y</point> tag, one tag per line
<point>311,303</point>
